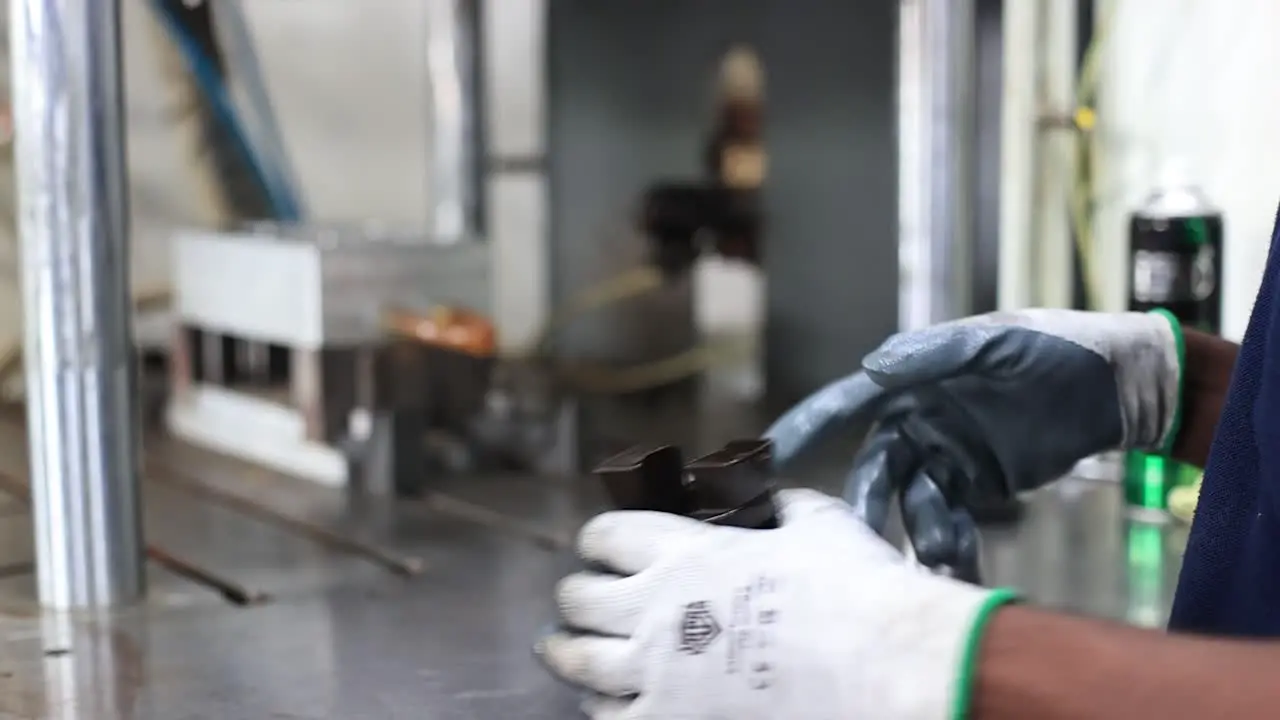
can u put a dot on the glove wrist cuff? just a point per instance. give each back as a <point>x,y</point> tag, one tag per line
<point>966,681</point>
<point>925,662</point>
<point>1170,434</point>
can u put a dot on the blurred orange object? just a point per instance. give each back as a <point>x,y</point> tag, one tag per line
<point>445,327</point>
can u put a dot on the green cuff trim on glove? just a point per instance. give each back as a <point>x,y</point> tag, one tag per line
<point>969,661</point>
<point>1166,447</point>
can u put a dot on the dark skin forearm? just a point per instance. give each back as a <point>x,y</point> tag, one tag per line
<point>1210,361</point>
<point>1036,664</point>
<point>1055,667</point>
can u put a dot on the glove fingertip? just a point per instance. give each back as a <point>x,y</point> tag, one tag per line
<point>601,707</point>
<point>924,356</point>
<point>625,542</point>
<point>788,439</point>
<point>869,491</point>
<point>893,353</point>
<point>968,563</point>
<point>800,502</point>
<point>929,523</point>
<point>568,657</point>
<point>837,406</point>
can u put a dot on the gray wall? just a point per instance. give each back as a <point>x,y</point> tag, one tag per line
<point>630,88</point>
<point>832,264</point>
<point>629,100</point>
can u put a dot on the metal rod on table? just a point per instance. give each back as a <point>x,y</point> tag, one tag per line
<point>73,215</point>
<point>400,565</point>
<point>233,591</point>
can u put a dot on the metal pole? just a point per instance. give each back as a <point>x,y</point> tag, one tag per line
<point>453,72</point>
<point>73,225</point>
<point>937,180</point>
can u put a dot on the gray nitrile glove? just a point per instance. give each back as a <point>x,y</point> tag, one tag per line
<point>973,411</point>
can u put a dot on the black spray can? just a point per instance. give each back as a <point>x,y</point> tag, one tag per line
<point>1175,256</point>
<point>1175,264</point>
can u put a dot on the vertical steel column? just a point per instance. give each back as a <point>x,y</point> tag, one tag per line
<point>73,224</point>
<point>453,72</point>
<point>937,131</point>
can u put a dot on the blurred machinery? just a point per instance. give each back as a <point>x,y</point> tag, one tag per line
<point>824,157</point>
<point>721,213</point>
<point>352,356</point>
<point>282,353</point>
<point>292,372</point>
<point>238,156</point>
<point>343,354</point>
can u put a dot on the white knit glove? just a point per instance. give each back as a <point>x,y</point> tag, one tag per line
<point>819,619</point>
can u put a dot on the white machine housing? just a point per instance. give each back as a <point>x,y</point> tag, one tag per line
<point>312,289</point>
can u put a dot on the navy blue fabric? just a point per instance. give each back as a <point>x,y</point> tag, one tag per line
<point>1230,582</point>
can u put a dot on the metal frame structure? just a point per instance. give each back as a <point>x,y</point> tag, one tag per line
<point>937,180</point>
<point>455,72</point>
<point>73,224</point>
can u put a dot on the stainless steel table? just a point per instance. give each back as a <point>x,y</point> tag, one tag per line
<point>1077,551</point>
<point>344,637</point>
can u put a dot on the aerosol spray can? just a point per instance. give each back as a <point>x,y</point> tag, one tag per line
<point>1175,261</point>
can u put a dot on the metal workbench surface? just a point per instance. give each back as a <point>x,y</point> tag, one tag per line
<point>343,637</point>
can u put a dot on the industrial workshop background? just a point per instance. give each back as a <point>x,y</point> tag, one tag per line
<point>406,270</point>
<point>346,83</point>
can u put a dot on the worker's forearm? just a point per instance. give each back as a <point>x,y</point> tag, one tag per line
<point>1035,664</point>
<point>1207,370</point>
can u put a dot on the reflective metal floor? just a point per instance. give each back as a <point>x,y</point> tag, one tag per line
<point>331,630</point>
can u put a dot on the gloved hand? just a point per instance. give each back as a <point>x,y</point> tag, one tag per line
<point>819,619</point>
<point>970,412</point>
